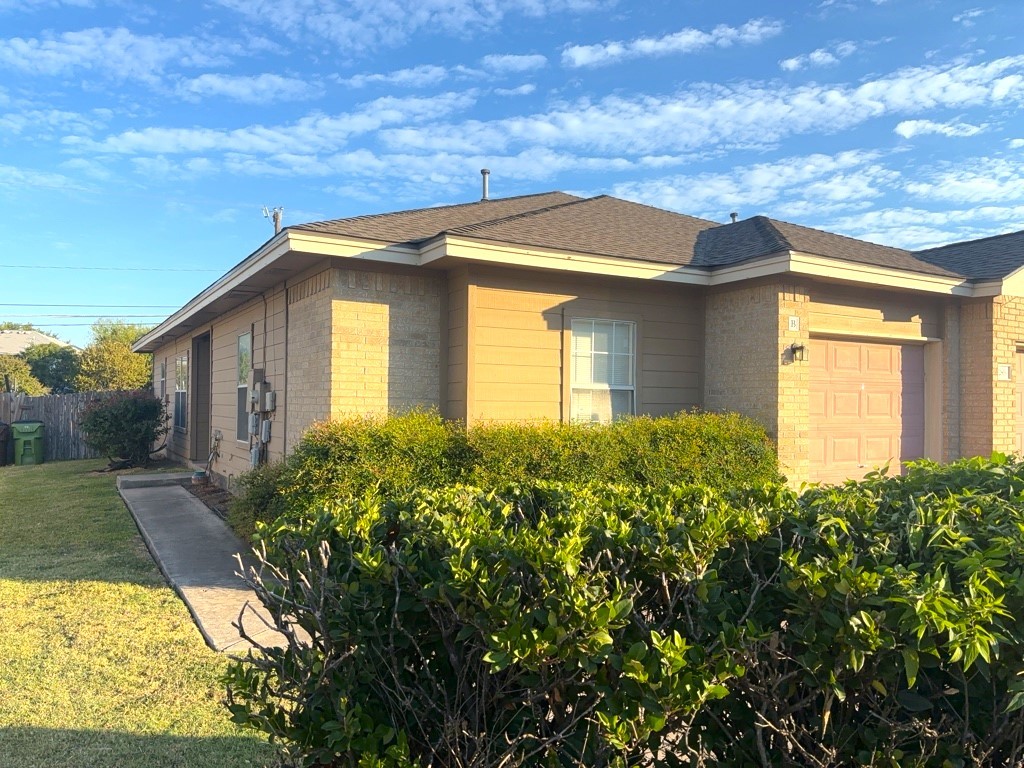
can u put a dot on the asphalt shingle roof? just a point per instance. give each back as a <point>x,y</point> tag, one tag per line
<point>415,226</point>
<point>989,258</point>
<point>608,226</point>
<point>604,226</point>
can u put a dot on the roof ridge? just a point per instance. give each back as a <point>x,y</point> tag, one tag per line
<point>766,227</point>
<point>969,241</point>
<point>833,234</point>
<point>515,216</point>
<point>656,208</point>
<point>368,216</point>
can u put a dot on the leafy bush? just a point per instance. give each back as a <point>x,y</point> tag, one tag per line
<point>876,623</point>
<point>719,450</point>
<point>124,425</point>
<point>355,456</point>
<point>257,499</point>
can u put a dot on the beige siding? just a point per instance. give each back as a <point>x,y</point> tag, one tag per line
<point>458,343</point>
<point>176,439</point>
<point>519,362</point>
<point>834,310</point>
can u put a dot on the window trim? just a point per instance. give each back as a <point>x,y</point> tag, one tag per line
<point>181,374</point>
<point>567,359</point>
<point>242,383</point>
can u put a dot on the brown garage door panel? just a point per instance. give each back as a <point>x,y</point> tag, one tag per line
<point>866,407</point>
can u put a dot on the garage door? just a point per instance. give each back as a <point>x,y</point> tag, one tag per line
<point>866,407</point>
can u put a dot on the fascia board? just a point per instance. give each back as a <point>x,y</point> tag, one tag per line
<point>567,261</point>
<point>271,251</point>
<point>867,274</point>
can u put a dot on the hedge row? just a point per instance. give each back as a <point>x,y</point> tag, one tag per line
<point>879,623</point>
<point>351,457</point>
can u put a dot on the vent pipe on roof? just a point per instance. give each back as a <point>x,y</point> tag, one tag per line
<point>734,216</point>
<point>485,174</point>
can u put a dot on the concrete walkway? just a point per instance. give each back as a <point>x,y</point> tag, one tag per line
<point>196,550</point>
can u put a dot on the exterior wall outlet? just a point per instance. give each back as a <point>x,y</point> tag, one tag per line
<point>794,323</point>
<point>1005,373</point>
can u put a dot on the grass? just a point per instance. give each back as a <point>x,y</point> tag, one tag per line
<point>100,663</point>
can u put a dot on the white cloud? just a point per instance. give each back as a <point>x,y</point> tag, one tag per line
<point>503,63</point>
<point>312,133</point>
<point>412,77</point>
<point>712,116</point>
<point>117,53</point>
<point>522,90</point>
<point>917,228</point>
<point>257,89</point>
<point>17,179</point>
<point>908,129</point>
<point>46,123</point>
<point>967,17</point>
<point>986,180</point>
<point>1016,143</point>
<point>842,178</point>
<point>822,57</point>
<point>357,26</point>
<point>687,40</point>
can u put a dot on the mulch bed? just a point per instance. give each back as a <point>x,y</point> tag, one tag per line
<point>212,495</point>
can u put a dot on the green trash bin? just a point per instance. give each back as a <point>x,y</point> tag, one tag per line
<point>28,441</point>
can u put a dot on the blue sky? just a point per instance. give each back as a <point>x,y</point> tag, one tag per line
<point>140,136</point>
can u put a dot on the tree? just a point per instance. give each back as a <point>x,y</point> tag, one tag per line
<point>55,365</point>
<point>109,363</point>
<point>7,325</point>
<point>15,372</point>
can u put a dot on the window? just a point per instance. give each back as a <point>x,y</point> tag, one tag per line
<point>244,366</point>
<point>161,384</point>
<point>603,365</point>
<point>180,391</point>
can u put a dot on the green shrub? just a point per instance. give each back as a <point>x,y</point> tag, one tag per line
<point>355,456</point>
<point>124,425</point>
<point>351,457</point>
<point>719,450</point>
<point>876,623</point>
<point>457,627</point>
<point>257,499</point>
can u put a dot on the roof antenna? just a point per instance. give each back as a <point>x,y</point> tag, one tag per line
<point>734,216</point>
<point>485,173</point>
<point>275,215</point>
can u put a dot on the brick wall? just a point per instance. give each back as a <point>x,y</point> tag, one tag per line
<point>747,369</point>
<point>1008,335</point>
<point>385,341</point>
<point>309,354</point>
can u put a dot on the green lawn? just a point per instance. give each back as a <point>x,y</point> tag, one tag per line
<point>100,664</point>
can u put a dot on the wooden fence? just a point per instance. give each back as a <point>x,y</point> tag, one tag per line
<point>60,413</point>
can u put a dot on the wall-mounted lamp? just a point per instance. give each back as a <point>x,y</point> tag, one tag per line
<point>798,352</point>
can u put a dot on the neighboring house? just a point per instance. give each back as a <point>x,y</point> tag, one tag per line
<point>550,306</point>
<point>16,342</point>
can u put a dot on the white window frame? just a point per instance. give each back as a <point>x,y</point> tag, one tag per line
<point>181,393</point>
<point>242,388</point>
<point>162,382</point>
<point>582,333</point>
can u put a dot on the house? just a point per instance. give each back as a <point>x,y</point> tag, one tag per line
<point>15,342</point>
<point>552,306</point>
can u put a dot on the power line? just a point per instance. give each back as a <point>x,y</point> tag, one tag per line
<point>70,316</point>
<point>96,306</point>
<point>108,268</point>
